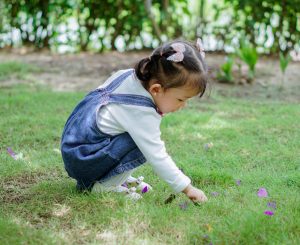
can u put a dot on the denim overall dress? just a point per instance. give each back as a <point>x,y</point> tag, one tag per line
<point>90,155</point>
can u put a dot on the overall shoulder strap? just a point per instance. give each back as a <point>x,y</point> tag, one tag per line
<point>130,99</point>
<point>117,81</point>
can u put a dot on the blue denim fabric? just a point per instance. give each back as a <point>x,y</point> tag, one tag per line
<point>90,155</point>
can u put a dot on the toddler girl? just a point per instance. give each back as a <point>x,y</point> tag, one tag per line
<point>116,127</point>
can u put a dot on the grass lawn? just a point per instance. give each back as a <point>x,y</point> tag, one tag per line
<point>255,142</point>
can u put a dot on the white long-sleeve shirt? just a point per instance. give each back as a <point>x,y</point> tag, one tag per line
<point>143,125</point>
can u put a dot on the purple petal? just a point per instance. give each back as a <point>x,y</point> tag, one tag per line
<point>272,205</point>
<point>11,153</point>
<point>262,192</point>
<point>269,212</point>
<point>214,193</point>
<point>206,237</point>
<point>238,182</point>
<point>208,146</point>
<point>125,185</point>
<point>183,205</point>
<point>145,189</point>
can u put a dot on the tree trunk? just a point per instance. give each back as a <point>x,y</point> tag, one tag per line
<point>45,22</point>
<point>156,29</point>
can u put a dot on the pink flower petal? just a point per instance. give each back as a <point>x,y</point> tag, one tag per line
<point>262,192</point>
<point>269,212</point>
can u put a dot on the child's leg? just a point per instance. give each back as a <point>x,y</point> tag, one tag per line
<point>120,155</point>
<point>113,183</point>
<point>124,150</point>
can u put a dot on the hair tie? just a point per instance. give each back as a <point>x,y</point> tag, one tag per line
<point>178,56</point>
<point>200,48</point>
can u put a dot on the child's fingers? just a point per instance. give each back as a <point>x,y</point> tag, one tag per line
<point>204,198</point>
<point>201,198</point>
<point>197,202</point>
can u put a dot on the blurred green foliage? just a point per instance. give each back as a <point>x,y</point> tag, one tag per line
<point>102,25</point>
<point>225,72</point>
<point>17,69</point>
<point>39,23</point>
<point>284,60</point>
<point>248,54</point>
<point>258,21</point>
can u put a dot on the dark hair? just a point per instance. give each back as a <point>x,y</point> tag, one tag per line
<point>190,71</point>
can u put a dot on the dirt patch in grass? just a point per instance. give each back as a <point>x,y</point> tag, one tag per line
<point>86,71</point>
<point>14,188</point>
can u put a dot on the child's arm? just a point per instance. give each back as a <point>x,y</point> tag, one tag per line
<point>196,195</point>
<point>143,125</point>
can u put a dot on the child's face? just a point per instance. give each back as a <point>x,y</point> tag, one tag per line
<point>172,99</point>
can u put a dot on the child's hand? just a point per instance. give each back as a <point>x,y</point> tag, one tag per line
<point>194,194</point>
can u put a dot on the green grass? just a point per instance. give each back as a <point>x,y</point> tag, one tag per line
<point>256,142</point>
<point>17,69</point>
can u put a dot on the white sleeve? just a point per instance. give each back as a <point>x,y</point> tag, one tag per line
<point>143,125</point>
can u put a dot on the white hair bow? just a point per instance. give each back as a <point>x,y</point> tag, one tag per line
<point>178,56</point>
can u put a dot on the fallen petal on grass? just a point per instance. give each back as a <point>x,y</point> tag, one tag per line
<point>11,153</point>
<point>269,212</point>
<point>214,193</point>
<point>14,155</point>
<point>183,205</point>
<point>272,205</point>
<point>208,146</point>
<point>238,182</point>
<point>262,192</point>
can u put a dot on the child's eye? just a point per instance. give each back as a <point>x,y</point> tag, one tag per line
<point>180,100</point>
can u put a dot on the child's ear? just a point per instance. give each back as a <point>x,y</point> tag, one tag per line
<point>155,89</point>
